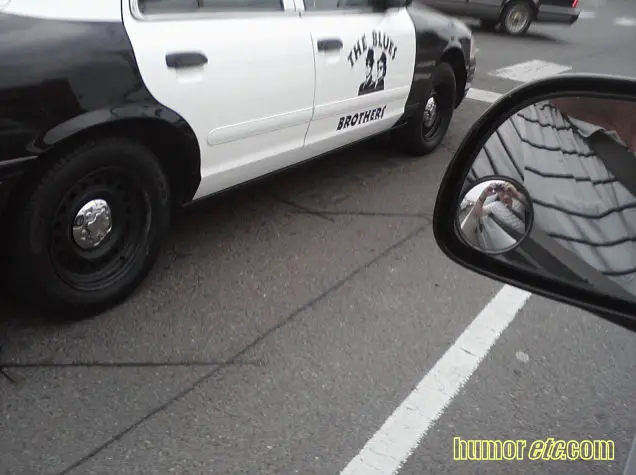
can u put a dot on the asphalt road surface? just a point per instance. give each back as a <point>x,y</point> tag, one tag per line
<point>287,323</point>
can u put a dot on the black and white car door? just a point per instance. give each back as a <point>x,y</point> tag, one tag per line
<point>240,72</point>
<point>364,69</point>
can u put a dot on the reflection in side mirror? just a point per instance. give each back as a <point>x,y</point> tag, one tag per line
<point>568,154</point>
<point>495,215</point>
<point>572,154</point>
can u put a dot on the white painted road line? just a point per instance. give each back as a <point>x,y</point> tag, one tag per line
<point>483,96</point>
<point>530,70</point>
<point>402,432</point>
<point>587,15</point>
<point>625,21</point>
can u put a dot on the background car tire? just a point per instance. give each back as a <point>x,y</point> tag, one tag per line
<point>425,131</point>
<point>48,267</point>
<point>517,17</point>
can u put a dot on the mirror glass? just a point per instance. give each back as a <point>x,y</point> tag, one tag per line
<point>573,160</point>
<point>494,215</point>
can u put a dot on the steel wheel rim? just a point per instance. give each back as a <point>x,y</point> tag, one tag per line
<point>517,19</point>
<point>432,118</point>
<point>92,268</point>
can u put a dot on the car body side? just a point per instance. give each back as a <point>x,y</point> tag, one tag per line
<point>70,73</point>
<point>66,79</point>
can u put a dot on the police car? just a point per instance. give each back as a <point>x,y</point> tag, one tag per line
<point>113,113</point>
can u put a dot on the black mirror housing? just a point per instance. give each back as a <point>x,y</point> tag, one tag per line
<point>596,291</point>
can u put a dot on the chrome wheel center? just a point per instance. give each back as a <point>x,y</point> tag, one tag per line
<point>430,112</point>
<point>517,20</point>
<point>92,224</point>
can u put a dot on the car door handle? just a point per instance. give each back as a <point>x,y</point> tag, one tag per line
<point>185,60</point>
<point>329,44</point>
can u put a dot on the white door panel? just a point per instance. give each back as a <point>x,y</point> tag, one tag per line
<point>337,124</point>
<point>250,105</point>
<point>343,113</point>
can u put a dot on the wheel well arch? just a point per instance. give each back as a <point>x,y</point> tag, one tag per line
<point>178,152</point>
<point>455,58</point>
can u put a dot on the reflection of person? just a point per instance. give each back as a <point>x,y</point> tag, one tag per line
<point>507,205</point>
<point>381,72</point>
<point>497,218</point>
<point>577,200</point>
<point>367,84</point>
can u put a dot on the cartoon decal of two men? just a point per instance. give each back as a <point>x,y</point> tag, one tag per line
<point>370,84</point>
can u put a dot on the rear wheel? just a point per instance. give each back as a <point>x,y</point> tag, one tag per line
<point>517,17</point>
<point>426,129</point>
<point>89,228</point>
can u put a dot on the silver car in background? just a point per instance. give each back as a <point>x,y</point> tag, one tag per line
<point>512,16</point>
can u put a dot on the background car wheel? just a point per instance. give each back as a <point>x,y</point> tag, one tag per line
<point>426,130</point>
<point>89,228</point>
<point>517,17</point>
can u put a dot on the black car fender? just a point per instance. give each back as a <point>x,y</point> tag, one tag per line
<point>75,80</point>
<point>438,38</point>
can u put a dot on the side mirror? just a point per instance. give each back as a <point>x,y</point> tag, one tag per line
<point>541,194</point>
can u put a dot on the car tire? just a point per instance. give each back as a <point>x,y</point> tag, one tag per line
<point>63,259</point>
<point>423,133</point>
<point>517,17</point>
